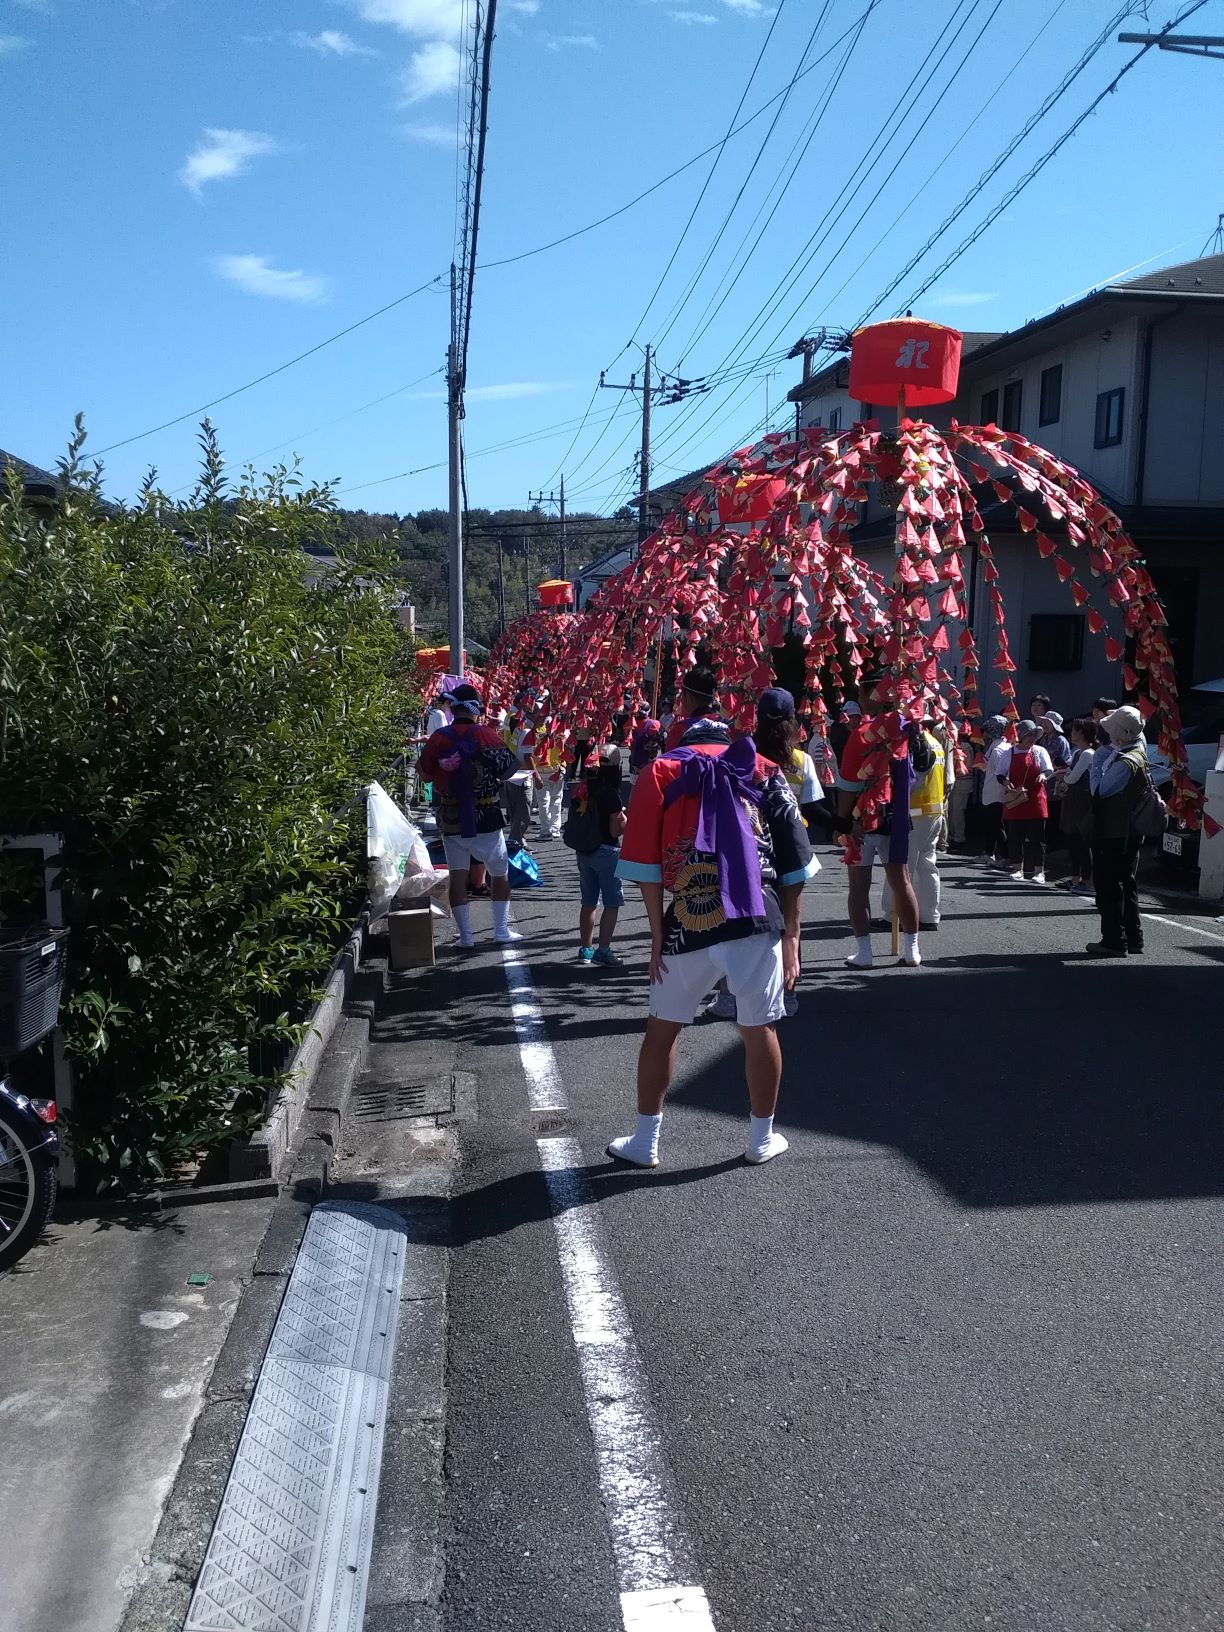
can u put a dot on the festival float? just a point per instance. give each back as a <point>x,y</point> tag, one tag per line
<point>764,546</point>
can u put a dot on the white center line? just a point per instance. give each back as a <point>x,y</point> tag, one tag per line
<point>1180,923</point>
<point>652,1554</point>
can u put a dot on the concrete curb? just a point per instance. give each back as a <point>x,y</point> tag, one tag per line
<point>262,1154</point>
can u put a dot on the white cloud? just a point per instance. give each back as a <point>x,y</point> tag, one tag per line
<point>431,135</point>
<point>964,297</point>
<point>561,42</point>
<point>224,153</point>
<point>10,43</point>
<point>333,42</point>
<point>692,17</point>
<point>751,8</point>
<point>424,19</point>
<point>258,276</point>
<point>435,67</point>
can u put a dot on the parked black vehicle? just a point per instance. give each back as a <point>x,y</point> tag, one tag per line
<point>29,1170</point>
<point>31,978</point>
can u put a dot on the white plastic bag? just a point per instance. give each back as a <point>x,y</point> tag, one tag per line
<point>399,860</point>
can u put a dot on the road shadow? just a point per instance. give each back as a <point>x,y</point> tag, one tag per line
<point>1038,1081</point>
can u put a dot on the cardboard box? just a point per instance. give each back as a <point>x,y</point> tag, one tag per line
<point>411,930</point>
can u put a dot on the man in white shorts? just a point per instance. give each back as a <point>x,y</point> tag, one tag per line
<point>717,825</point>
<point>467,763</point>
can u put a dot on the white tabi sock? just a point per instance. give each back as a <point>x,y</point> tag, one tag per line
<point>763,1143</point>
<point>860,958</point>
<point>501,923</point>
<point>909,949</point>
<point>641,1147</point>
<point>463,923</point>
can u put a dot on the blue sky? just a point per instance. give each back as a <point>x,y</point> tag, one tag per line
<point>197,190</point>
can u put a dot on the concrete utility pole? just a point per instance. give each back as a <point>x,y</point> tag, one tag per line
<point>454,410</point>
<point>501,584</point>
<point>541,497</point>
<point>644,502</point>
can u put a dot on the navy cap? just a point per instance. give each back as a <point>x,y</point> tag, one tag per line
<point>775,704</point>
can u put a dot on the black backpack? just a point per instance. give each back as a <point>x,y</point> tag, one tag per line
<point>1150,815</point>
<point>583,830</point>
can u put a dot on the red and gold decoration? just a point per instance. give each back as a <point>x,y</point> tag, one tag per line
<point>765,546</point>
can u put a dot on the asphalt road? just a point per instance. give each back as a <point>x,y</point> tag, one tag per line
<point>953,1362</point>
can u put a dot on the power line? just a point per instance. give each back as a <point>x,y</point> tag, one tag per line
<point>880,145</point>
<point>272,372</point>
<point>1034,119</point>
<point>687,293</point>
<point>692,216</point>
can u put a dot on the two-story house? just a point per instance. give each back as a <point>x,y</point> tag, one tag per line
<point>1127,384</point>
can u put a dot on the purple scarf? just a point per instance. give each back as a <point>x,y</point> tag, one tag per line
<point>722,782</point>
<point>902,773</point>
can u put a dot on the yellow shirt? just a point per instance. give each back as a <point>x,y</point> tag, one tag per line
<point>927,793</point>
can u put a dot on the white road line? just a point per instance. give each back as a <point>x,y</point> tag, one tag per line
<point>539,1062</point>
<point>1180,923</point>
<point>653,1558</point>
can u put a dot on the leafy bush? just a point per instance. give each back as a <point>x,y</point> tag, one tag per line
<point>188,699</point>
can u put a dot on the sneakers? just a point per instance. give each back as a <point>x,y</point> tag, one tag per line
<point>1039,878</point>
<point>1018,876</point>
<point>586,954</point>
<point>1099,949</point>
<point>1081,889</point>
<point>720,1007</point>
<point>605,955</point>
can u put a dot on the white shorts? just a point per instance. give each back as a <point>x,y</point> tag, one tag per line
<point>873,848</point>
<point>752,969</point>
<point>487,847</point>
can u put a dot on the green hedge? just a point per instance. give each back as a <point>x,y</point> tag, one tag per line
<point>188,701</point>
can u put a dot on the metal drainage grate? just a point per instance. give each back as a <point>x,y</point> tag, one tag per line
<point>291,1548</point>
<point>550,1123</point>
<point>385,1101</point>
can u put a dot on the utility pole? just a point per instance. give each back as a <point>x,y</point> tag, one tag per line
<point>454,410</point>
<point>644,502</point>
<point>501,584</point>
<point>669,389</point>
<point>540,497</point>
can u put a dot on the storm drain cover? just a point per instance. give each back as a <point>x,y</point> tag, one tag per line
<point>290,1551</point>
<point>378,1099</point>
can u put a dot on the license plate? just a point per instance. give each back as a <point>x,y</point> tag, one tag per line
<point>1173,844</point>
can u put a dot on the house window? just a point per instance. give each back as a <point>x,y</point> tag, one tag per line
<point>1050,409</point>
<point>990,408</point>
<point>835,419</point>
<point>1013,393</point>
<point>1056,642</point>
<point>1109,418</point>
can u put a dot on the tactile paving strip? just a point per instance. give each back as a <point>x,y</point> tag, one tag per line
<point>290,1551</point>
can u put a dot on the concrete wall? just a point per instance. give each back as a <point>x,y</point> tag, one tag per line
<point>1185,451</point>
<point>1090,364</point>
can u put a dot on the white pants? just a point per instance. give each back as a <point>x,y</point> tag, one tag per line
<point>548,800</point>
<point>923,866</point>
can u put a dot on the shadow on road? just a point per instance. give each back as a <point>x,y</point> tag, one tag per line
<point>1040,1082</point>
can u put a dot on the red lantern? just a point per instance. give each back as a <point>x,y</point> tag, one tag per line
<point>751,498</point>
<point>555,592</point>
<point>905,360</point>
